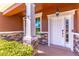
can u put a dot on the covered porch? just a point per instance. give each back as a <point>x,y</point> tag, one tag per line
<point>60,22</point>
<point>57,22</point>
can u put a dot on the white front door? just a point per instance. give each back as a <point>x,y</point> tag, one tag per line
<point>60,29</point>
<point>57,30</point>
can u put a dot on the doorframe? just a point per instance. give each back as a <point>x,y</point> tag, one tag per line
<point>70,12</point>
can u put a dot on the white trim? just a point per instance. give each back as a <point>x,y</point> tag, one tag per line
<point>11,32</point>
<point>24,21</point>
<point>76,34</point>
<point>71,12</point>
<point>43,32</point>
<point>72,28</point>
<point>49,36</point>
<point>39,15</point>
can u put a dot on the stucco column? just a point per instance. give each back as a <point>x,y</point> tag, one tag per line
<point>29,29</point>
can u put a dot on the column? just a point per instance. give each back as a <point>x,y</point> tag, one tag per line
<point>29,26</point>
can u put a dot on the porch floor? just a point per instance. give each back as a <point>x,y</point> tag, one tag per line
<point>54,50</point>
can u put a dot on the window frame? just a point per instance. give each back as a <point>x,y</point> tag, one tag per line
<point>39,15</point>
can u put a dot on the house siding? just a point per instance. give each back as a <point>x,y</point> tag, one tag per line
<point>44,22</point>
<point>12,23</point>
<point>76,24</point>
<point>49,11</point>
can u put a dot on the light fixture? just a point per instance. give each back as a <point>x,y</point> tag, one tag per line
<point>57,12</point>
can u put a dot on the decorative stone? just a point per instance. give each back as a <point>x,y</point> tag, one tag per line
<point>12,36</point>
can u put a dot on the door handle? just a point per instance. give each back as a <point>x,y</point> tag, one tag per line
<point>62,32</point>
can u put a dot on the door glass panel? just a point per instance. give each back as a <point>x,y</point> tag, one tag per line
<point>67,30</point>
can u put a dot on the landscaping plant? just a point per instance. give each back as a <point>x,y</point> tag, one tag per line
<point>14,48</point>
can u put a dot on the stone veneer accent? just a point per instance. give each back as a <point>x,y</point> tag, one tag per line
<point>18,36</point>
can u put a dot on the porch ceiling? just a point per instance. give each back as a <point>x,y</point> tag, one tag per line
<point>64,6</point>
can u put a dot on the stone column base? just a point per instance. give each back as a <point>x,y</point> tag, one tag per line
<point>27,40</point>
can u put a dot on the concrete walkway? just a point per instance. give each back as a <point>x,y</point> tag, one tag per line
<point>54,50</point>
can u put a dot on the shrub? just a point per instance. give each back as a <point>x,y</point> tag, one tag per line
<point>13,48</point>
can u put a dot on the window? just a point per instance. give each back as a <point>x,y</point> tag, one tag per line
<point>37,24</point>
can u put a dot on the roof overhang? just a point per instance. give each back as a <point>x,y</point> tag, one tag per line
<point>5,6</point>
<point>17,8</point>
<point>40,7</point>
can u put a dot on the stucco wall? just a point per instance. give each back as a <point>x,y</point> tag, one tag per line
<point>12,23</point>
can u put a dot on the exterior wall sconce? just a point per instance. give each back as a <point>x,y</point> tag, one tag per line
<point>57,12</point>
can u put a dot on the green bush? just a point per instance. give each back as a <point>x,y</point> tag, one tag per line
<point>13,48</point>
